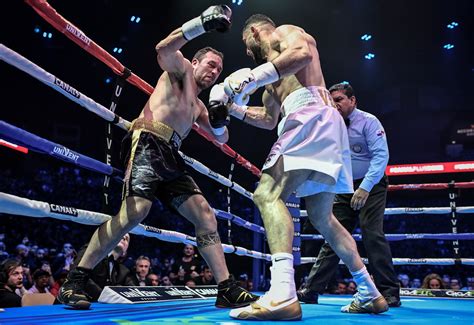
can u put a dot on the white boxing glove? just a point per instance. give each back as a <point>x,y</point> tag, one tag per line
<point>218,94</point>
<point>242,83</point>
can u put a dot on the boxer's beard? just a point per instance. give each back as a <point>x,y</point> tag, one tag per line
<point>257,54</point>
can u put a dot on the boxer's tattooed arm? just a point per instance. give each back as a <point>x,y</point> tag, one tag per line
<point>208,239</point>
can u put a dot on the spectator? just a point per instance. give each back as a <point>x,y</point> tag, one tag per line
<point>153,280</point>
<point>142,268</point>
<point>470,284</point>
<point>446,280</point>
<point>188,263</point>
<point>455,284</point>
<point>404,280</point>
<point>415,283</point>
<point>11,280</point>
<point>165,281</point>
<point>351,288</point>
<point>433,281</point>
<point>41,282</point>
<point>207,278</point>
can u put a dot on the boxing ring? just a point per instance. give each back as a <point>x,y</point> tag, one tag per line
<point>197,311</point>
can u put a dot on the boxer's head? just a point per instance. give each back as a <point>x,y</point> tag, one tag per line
<point>343,96</point>
<point>207,64</point>
<point>251,36</point>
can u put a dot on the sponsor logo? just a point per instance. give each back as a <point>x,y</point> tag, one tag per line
<point>64,86</point>
<point>78,34</point>
<point>460,294</point>
<point>411,169</point>
<point>213,174</point>
<point>153,229</point>
<point>206,292</point>
<point>180,292</point>
<point>189,160</point>
<point>292,205</point>
<point>464,166</point>
<point>66,153</point>
<point>417,260</point>
<point>134,293</point>
<point>415,236</point>
<point>414,209</point>
<point>63,210</point>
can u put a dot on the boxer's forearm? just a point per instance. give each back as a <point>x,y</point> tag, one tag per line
<point>260,117</point>
<point>171,44</point>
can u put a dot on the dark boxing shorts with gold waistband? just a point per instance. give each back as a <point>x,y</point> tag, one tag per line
<point>154,167</point>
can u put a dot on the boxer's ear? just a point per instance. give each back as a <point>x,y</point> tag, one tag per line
<point>255,33</point>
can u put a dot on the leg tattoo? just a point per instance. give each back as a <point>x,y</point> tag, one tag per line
<point>208,239</point>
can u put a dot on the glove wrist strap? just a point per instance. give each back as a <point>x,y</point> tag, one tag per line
<point>218,131</point>
<point>266,74</point>
<point>192,28</point>
<point>238,111</point>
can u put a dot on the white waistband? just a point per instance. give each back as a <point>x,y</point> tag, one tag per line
<point>304,97</point>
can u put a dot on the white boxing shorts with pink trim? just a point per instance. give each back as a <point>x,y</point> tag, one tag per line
<point>312,135</point>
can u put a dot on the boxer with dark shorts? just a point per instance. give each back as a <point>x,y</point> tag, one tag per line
<point>154,167</point>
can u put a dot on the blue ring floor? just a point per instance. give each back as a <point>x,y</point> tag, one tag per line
<point>199,312</point>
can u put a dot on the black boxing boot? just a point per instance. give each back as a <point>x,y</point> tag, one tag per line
<point>231,295</point>
<point>72,291</point>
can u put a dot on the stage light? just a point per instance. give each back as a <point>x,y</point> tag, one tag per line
<point>448,46</point>
<point>452,25</point>
<point>37,30</point>
<point>132,19</point>
<point>366,37</point>
<point>369,56</point>
<point>108,80</point>
<point>238,2</point>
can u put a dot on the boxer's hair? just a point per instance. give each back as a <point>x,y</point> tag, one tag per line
<point>257,19</point>
<point>199,54</point>
<point>345,87</point>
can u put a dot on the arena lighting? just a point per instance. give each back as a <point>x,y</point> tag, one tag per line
<point>452,25</point>
<point>366,37</point>
<point>117,50</point>
<point>37,30</point>
<point>448,46</point>
<point>47,35</point>
<point>238,2</point>
<point>345,82</point>
<point>369,56</point>
<point>108,80</point>
<point>135,19</point>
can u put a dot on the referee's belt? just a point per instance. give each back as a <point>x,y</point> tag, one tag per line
<point>159,129</point>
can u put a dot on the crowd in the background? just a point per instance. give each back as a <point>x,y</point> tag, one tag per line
<point>46,249</point>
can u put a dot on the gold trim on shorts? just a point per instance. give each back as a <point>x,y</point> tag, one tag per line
<point>159,129</point>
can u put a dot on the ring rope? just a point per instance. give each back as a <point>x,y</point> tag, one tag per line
<point>25,65</point>
<point>430,186</point>
<point>44,9</point>
<point>397,237</point>
<point>12,204</point>
<point>410,261</point>
<point>421,210</point>
<point>40,145</point>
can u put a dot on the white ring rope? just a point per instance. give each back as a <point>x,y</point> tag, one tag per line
<point>201,168</point>
<point>440,210</point>
<point>12,204</point>
<point>410,261</point>
<point>47,78</point>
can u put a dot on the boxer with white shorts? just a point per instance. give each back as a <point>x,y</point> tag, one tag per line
<point>311,157</point>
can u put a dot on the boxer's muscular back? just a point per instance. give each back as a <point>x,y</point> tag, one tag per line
<point>310,75</point>
<point>174,102</point>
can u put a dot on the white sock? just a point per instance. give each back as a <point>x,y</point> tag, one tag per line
<point>365,285</point>
<point>283,277</point>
